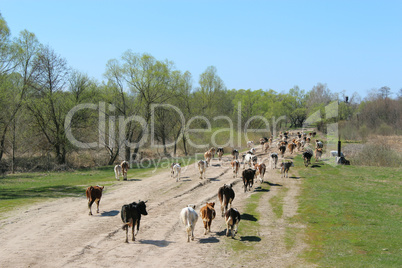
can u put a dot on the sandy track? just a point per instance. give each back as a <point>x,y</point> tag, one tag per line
<point>61,234</point>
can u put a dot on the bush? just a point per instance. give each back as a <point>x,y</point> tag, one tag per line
<point>377,154</point>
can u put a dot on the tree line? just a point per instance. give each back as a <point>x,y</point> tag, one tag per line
<point>38,91</point>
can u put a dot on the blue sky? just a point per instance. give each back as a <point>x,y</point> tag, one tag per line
<point>354,46</point>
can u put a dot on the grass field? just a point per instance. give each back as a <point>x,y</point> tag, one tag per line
<point>353,215</point>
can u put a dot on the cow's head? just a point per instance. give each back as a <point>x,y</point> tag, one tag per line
<point>142,208</point>
<point>212,204</point>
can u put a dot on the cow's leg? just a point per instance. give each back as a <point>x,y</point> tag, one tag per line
<point>227,229</point>
<point>132,232</point>
<point>205,226</point>
<point>235,229</point>
<point>192,233</point>
<point>97,205</point>
<point>90,202</point>
<point>209,225</point>
<point>138,227</point>
<point>126,227</point>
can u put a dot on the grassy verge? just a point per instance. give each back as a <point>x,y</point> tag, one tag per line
<point>249,226</point>
<point>353,215</point>
<point>28,188</point>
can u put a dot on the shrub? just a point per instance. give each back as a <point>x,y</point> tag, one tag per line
<point>377,154</point>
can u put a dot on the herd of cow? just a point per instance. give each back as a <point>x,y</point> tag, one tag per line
<point>131,213</point>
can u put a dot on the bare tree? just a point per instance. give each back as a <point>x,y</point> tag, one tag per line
<point>48,103</point>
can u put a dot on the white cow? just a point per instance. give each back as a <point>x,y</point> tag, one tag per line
<point>118,171</point>
<point>202,167</point>
<point>189,217</point>
<point>249,159</point>
<point>176,170</point>
<point>250,144</point>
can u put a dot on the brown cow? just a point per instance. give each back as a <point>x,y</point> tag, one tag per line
<point>266,147</point>
<point>282,149</point>
<point>226,196</point>
<point>208,213</point>
<point>235,166</point>
<point>248,178</point>
<point>291,147</point>
<point>318,153</point>
<point>94,194</point>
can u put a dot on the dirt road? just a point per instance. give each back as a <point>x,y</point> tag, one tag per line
<point>61,234</point>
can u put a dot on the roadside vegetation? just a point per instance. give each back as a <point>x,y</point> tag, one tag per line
<point>352,214</point>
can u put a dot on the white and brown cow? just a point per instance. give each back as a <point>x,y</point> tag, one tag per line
<point>212,150</point>
<point>202,167</point>
<point>232,219</point>
<point>94,194</point>
<point>249,159</point>
<point>189,217</point>
<point>235,166</point>
<point>124,167</point>
<point>226,196</point>
<point>260,170</point>
<point>318,154</point>
<point>208,156</point>
<point>208,213</point>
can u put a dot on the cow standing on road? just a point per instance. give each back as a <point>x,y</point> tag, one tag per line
<point>248,178</point>
<point>208,213</point>
<point>131,216</point>
<point>189,218</point>
<point>226,196</point>
<point>94,194</point>
<point>232,219</point>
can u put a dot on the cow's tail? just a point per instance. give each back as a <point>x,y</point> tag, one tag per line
<point>188,227</point>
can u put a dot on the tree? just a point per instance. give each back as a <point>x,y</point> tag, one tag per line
<point>384,92</point>
<point>211,87</point>
<point>7,55</point>
<point>48,102</point>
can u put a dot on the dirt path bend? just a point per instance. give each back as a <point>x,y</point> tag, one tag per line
<point>61,234</point>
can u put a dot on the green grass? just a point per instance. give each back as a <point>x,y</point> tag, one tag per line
<point>18,190</point>
<point>276,202</point>
<point>353,215</point>
<point>249,226</point>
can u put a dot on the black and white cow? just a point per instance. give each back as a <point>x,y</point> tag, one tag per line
<point>232,219</point>
<point>131,216</point>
